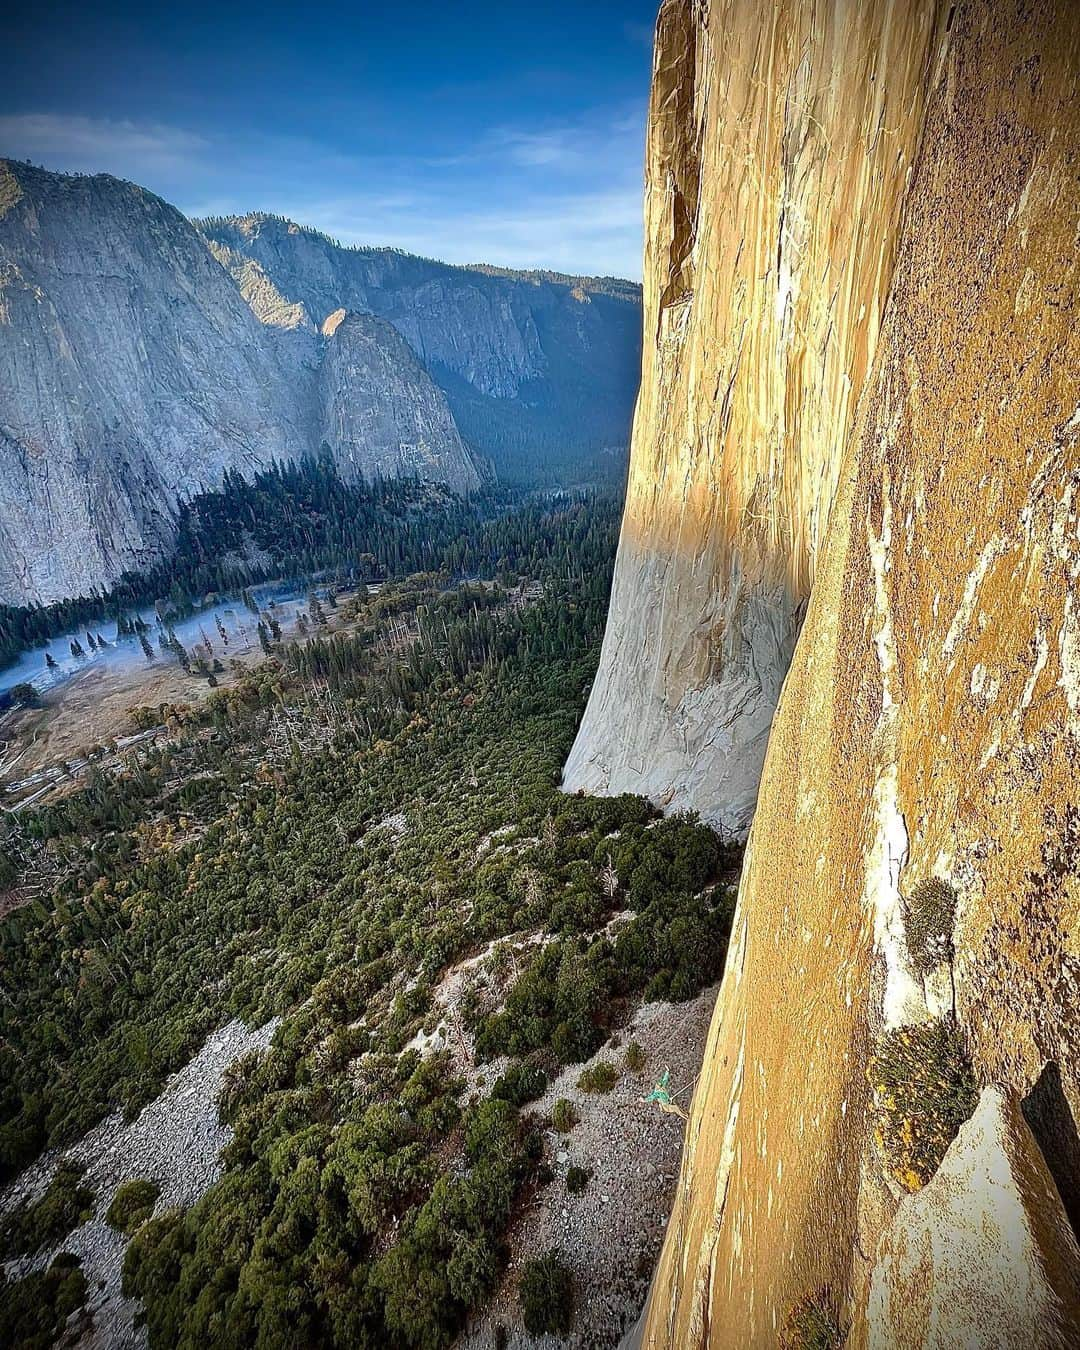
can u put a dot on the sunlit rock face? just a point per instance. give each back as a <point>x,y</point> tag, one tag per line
<point>780,146</point>
<point>894,432</point>
<point>983,1254</point>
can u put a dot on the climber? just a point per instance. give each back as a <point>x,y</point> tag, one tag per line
<point>661,1095</point>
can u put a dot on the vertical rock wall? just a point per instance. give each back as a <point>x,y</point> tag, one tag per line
<point>930,722</point>
<point>780,144</point>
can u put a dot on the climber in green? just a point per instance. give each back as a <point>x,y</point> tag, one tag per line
<point>661,1095</point>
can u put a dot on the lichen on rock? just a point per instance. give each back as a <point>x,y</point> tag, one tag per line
<point>861,386</point>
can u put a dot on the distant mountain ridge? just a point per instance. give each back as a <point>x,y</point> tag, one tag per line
<point>535,364</point>
<point>142,355</point>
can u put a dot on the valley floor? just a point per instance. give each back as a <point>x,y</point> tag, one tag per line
<point>466,980</point>
<point>94,707</point>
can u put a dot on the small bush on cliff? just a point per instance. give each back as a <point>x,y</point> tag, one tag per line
<point>810,1325</point>
<point>924,1090</point>
<point>598,1077</point>
<point>577,1179</point>
<point>132,1205</point>
<point>522,1082</point>
<point>547,1296</point>
<point>635,1057</point>
<point>33,1310</point>
<point>564,1116</point>
<point>929,919</point>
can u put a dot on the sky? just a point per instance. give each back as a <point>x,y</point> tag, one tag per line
<point>508,133</point>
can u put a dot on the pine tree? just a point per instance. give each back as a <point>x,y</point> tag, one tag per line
<point>177,648</point>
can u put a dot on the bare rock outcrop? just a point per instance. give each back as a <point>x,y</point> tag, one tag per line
<point>862,384</point>
<point>949,1269</point>
<point>381,412</point>
<point>137,364</point>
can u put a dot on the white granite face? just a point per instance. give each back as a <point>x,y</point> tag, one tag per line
<point>141,357</point>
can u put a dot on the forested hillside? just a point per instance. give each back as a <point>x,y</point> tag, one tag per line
<point>296,520</point>
<point>322,843</point>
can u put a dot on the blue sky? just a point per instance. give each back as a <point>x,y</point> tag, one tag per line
<point>495,132</point>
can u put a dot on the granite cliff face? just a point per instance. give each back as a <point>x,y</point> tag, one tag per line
<point>862,385</point>
<point>381,412</point>
<point>478,323</point>
<point>475,325</point>
<point>131,371</point>
<point>771,211</point>
<point>140,357</point>
<point>135,367</point>
<point>534,365</point>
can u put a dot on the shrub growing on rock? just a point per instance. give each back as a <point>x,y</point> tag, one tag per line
<point>810,1325</point>
<point>577,1179</point>
<point>598,1077</point>
<point>635,1057</point>
<point>547,1296</point>
<point>924,1090</point>
<point>564,1115</point>
<point>929,920</point>
<point>64,1206</point>
<point>523,1082</point>
<point>33,1310</point>
<point>132,1205</point>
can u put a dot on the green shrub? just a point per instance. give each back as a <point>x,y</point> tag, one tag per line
<point>547,1296</point>
<point>924,1090</point>
<point>64,1206</point>
<point>635,1057</point>
<point>810,1325</point>
<point>929,920</point>
<point>33,1310</point>
<point>523,1082</point>
<point>132,1205</point>
<point>564,1115</point>
<point>577,1179</point>
<point>598,1077</point>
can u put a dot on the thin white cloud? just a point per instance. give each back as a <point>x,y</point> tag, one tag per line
<point>597,232</point>
<point>98,145</point>
<point>641,34</point>
<point>566,197</point>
